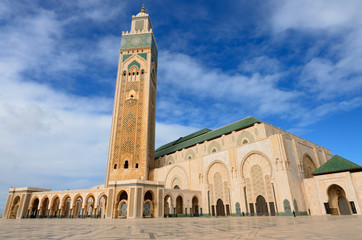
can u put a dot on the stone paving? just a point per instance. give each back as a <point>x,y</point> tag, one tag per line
<point>323,227</point>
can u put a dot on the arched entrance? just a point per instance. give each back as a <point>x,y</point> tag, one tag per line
<point>220,210</point>
<point>15,207</point>
<point>343,206</point>
<point>167,207</point>
<point>44,208</point>
<point>102,206</point>
<point>122,205</point>
<point>65,211</point>
<point>195,207</point>
<point>148,205</point>
<point>261,206</point>
<point>337,201</point>
<point>34,208</point>
<point>77,206</point>
<point>54,208</point>
<point>179,205</point>
<point>89,208</point>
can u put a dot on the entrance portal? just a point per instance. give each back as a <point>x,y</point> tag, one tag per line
<point>220,210</point>
<point>261,206</point>
<point>343,206</point>
<point>338,201</point>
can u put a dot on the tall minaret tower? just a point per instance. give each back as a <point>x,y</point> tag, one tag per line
<point>131,146</point>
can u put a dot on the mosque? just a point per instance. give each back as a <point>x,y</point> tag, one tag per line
<point>247,168</point>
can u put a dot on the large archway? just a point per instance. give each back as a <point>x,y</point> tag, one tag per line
<point>261,206</point>
<point>102,206</point>
<point>148,204</point>
<point>195,207</point>
<point>122,205</point>
<point>65,210</point>
<point>257,171</point>
<point>54,208</point>
<point>167,206</point>
<point>44,208</point>
<point>218,180</point>
<point>15,207</point>
<point>89,207</point>
<point>34,208</point>
<point>338,201</point>
<point>77,207</point>
<point>308,166</point>
<point>179,205</point>
<point>220,210</point>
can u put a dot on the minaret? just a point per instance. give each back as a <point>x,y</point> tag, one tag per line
<point>131,147</point>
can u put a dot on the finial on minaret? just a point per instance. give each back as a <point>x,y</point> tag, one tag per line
<point>143,8</point>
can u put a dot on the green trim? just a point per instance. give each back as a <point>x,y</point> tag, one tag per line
<point>125,57</point>
<point>302,214</point>
<point>285,214</point>
<point>337,164</point>
<point>134,41</point>
<point>144,55</point>
<point>183,139</point>
<point>134,63</point>
<point>140,17</point>
<point>201,136</point>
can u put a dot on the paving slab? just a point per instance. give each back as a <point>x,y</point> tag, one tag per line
<point>304,227</point>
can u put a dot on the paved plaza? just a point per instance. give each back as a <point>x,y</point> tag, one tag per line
<point>323,227</point>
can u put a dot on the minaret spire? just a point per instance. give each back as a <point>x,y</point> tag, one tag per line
<point>143,8</point>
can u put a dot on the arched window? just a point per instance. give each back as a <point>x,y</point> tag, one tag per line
<point>136,165</point>
<point>126,164</point>
<point>115,166</point>
<point>142,71</point>
<point>308,167</point>
<point>124,73</point>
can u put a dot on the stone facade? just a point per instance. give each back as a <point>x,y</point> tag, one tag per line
<point>246,168</point>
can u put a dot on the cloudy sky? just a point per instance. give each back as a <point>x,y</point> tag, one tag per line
<point>294,64</point>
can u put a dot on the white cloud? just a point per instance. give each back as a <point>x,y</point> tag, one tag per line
<point>108,49</point>
<point>309,14</point>
<point>258,93</point>
<point>100,10</point>
<point>166,133</point>
<point>261,64</point>
<point>337,72</point>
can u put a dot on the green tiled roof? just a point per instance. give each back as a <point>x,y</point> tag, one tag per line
<point>182,139</point>
<point>203,135</point>
<point>337,164</point>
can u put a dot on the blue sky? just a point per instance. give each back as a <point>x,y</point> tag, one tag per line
<point>293,64</point>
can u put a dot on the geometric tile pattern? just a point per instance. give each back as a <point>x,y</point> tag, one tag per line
<point>257,181</point>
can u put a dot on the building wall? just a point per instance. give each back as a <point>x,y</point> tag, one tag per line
<point>279,153</point>
<point>318,190</point>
